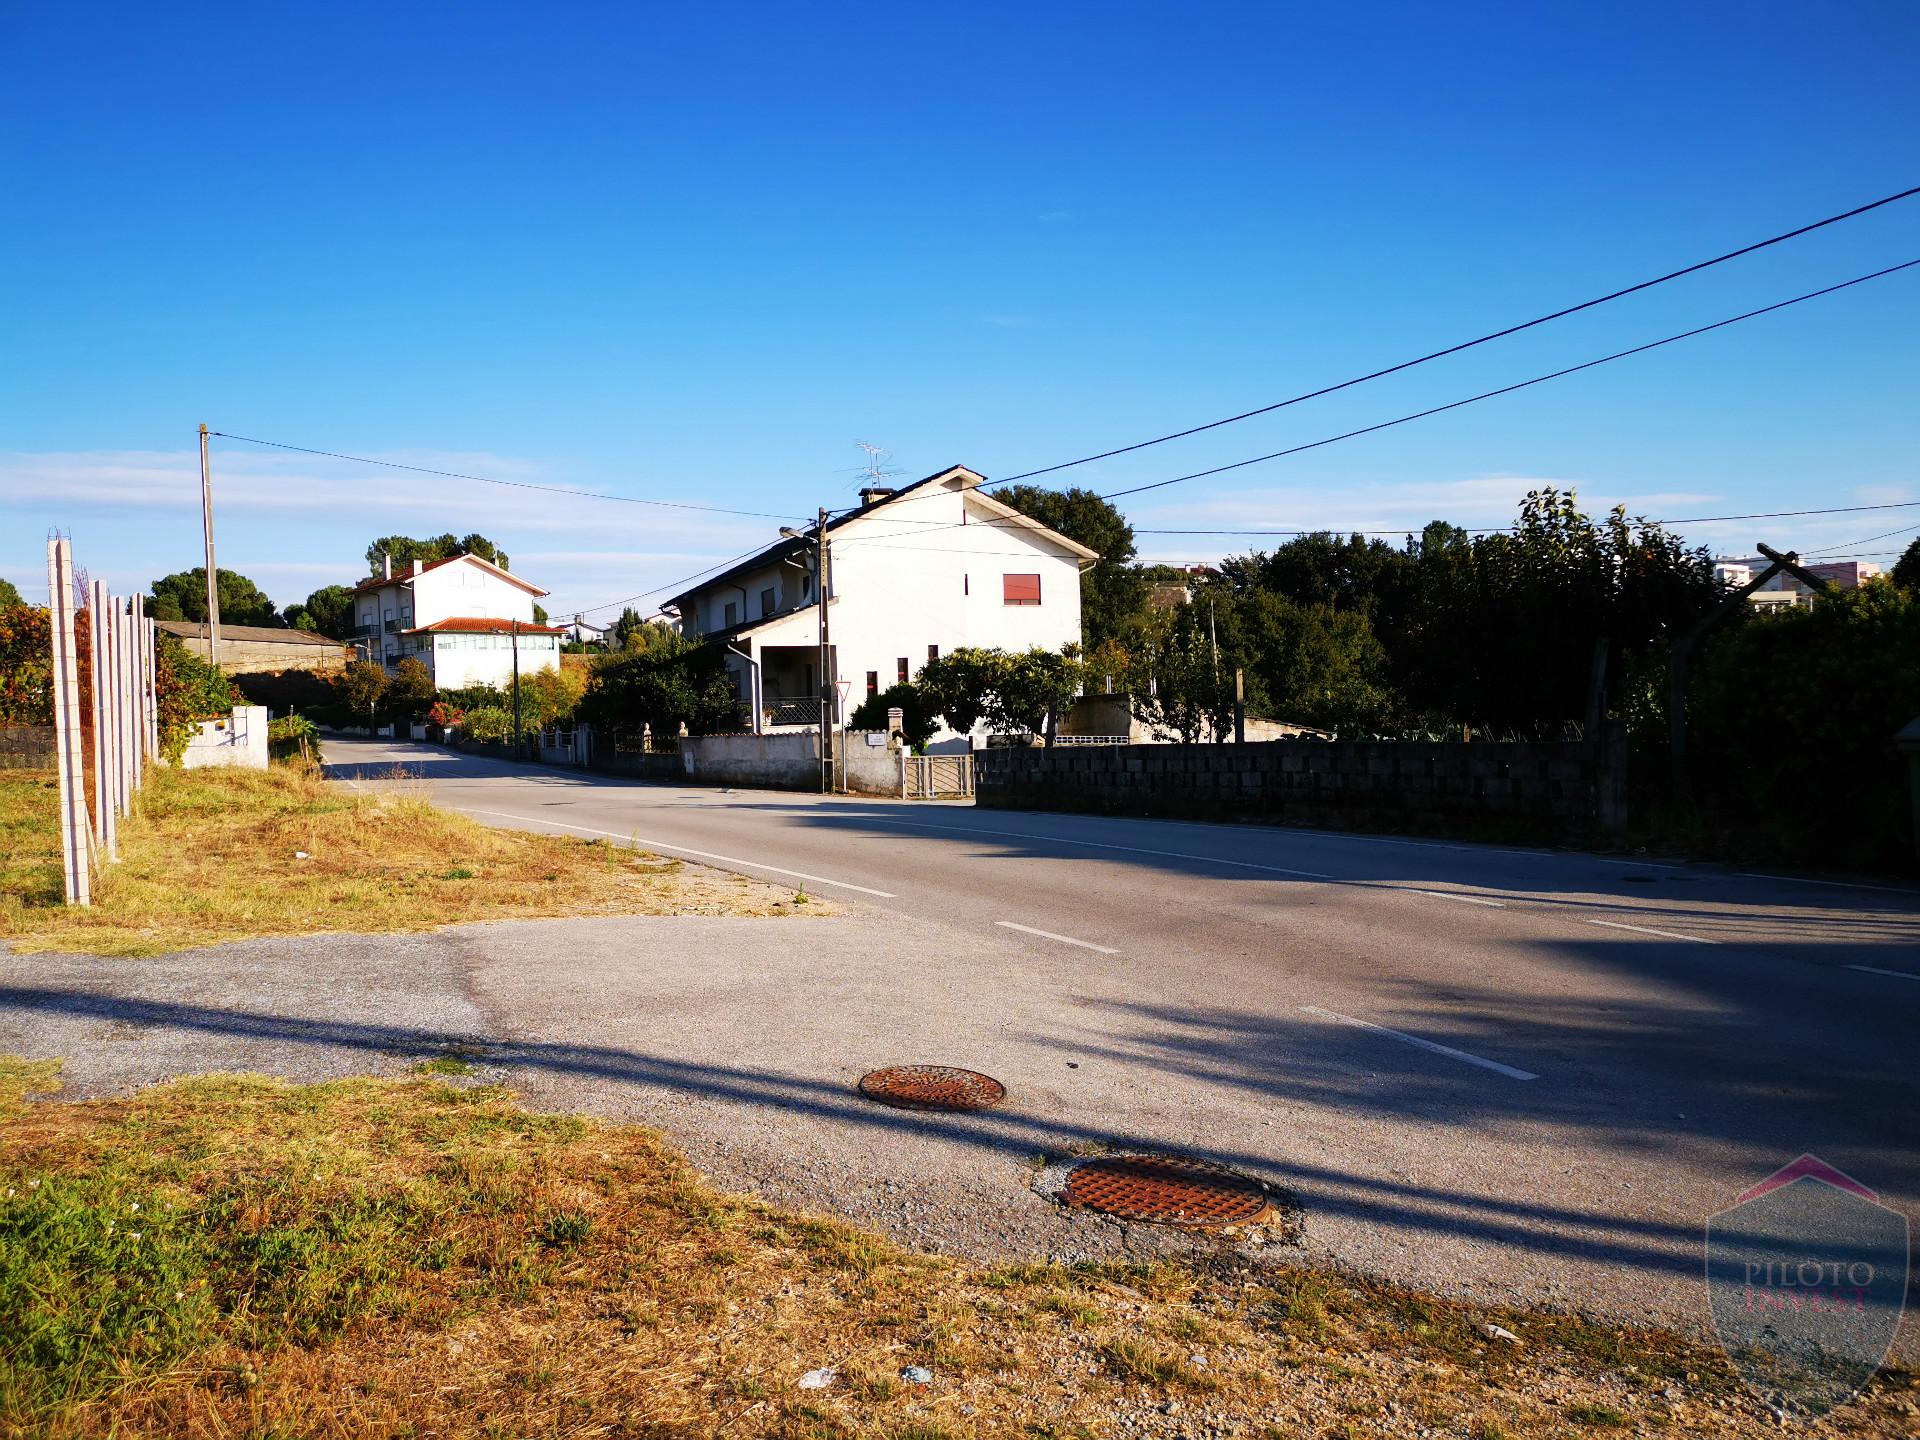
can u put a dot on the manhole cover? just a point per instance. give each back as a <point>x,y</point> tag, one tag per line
<point>932,1087</point>
<point>1166,1190</point>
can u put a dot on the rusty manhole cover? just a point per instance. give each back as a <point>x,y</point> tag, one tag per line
<point>1166,1190</point>
<point>932,1087</point>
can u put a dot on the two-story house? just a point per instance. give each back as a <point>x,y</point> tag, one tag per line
<point>466,618</point>
<point>913,573</point>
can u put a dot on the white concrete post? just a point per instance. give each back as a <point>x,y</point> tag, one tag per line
<point>129,698</point>
<point>97,708</point>
<point>122,800</point>
<point>150,647</point>
<point>110,710</point>
<point>75,829</point>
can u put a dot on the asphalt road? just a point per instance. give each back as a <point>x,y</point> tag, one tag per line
<point>1506,1074</point>
<point>1488,1070</point>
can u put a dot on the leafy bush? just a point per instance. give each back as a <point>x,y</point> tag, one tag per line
<point>1791,719</point>
<point>292,735</point>
<point>361,688</point>
<point>410,690</point>
<point>446,716</point>
<point>663,692</point>
<point>188,690</point>
<point>918,718</point>
<point>490,723</point>
<point>26,666</point>
<point>472,697</point>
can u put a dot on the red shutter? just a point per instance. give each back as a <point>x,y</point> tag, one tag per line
<point>1021,589</point>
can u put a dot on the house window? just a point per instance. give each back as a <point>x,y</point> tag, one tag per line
<point>966,584</point>
<point>873,682</point>
<point>933,652</point>
<point>733,614</point>
<point>1020,589</point>
<point>766,601</point>
<point>903,669</point>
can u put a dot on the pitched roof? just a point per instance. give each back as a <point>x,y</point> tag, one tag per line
<point>255,634</point>
<point>786,548</point>
<point>406,576</point>
<point>483,625</point>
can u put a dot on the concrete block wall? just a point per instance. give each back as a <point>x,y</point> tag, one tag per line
<point>26,747</point>
<point>1552,788</point>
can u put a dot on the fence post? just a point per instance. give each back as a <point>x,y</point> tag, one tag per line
<point>96,704</point>
<point>76,832</point>
<point>150,647</point>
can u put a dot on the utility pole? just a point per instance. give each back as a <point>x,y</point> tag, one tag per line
<point>516,689</point>
<point>213,575</point>
<point>829,692</point>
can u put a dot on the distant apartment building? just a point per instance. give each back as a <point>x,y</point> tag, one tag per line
<point>1784,591</point>
<point>468,620</point>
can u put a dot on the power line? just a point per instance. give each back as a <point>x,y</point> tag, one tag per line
<point>1470,344</point>
<point>1521,385</point>
<point>515,484</point>
<point>1488,395</point>
<point>1495,529</point>
<point>1866,540</point>
<point>671,584</point>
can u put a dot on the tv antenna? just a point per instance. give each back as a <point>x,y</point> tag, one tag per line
<point>876,472</point>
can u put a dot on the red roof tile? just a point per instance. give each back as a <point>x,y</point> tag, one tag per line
<point>482,625</point>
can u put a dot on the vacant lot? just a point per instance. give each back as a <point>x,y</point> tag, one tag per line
<point>234,1255</point>
<point>213,855</point>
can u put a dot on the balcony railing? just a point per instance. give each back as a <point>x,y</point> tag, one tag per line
<point>798,710</point>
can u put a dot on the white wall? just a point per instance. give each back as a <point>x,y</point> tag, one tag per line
<point>468,589</point>
<point>462,660</point>
<point>239,741</point>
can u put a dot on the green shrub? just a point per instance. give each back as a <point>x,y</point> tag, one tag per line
<point>292,735</point>
<point>489,723</point>
<point>188,690</point>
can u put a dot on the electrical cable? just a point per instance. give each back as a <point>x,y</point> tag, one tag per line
<point>1560,314</point>
<point>515,484</point>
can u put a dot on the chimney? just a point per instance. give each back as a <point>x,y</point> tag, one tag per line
<point>386,566</point>
<point>874,495</point>
<point>417,566</point>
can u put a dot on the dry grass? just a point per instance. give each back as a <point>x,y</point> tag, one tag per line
<point>235,1256</point>
<point>215,855</point>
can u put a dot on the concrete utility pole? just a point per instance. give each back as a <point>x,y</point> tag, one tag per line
<point>75,831</point>
<point>516,687</point>
<point>829,692</point>
<point>213,575</point>
<point>97,702</point>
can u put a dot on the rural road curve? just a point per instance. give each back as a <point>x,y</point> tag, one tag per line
<point>1510,1075</point>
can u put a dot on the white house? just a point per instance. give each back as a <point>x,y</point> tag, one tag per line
<point>466,618</point>
<point>913,573</point>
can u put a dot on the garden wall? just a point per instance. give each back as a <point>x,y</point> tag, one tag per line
<point>1548,790</point>
<point>26,747</point>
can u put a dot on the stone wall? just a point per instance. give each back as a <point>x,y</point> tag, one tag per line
<point>26,747</point>
<point>1557,789</point>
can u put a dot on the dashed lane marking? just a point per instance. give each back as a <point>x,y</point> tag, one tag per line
<point>1438,1049</point>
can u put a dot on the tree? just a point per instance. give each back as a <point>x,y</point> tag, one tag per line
<point>410,691</point>
<point>1188,696</point>
<point>327,611</point>
<point>918,718</point>
<point>539,614</point>
<point>1032,691</point>
<point>1906,570</point>
<point>9,596</point>
<point>645,637</point>
<point>403,550</point>
<point>1112,592</point>
<point>959,685</point>
<point>362,686</point>
<point>663,692</point>
<point>183,596</point>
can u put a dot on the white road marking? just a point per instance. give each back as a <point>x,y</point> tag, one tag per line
<point>1663,934</point>
<point>680,850</point>
<point>1876,970</point>
<point>1449,895</point>
<point>1102,845</point>
<point>1494,1065</point>
<point>1049,935</point>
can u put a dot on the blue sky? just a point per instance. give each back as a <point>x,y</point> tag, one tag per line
<point>695,253</point>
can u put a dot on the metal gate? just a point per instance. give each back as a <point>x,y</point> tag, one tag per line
<point>939,777</point>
